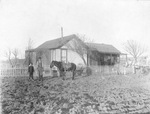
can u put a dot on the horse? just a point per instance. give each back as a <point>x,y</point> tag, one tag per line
<point>63,67</point>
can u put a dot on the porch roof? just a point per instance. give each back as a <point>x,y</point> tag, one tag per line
<point>103,48</point>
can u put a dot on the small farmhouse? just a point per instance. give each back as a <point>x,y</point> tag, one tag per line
<point>57,49</point>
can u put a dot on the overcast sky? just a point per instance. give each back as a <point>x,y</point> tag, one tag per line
<point>104,21</point>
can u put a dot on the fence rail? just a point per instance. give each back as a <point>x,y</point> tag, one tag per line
<point>14,72</point>
<point>104,69</point>
<point>117,69</point>
<point>22,71</point>
<point>47,71</point>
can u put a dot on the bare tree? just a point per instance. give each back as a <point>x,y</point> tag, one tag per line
<point>15,52</point>
<point>134,49</point>
<point>11,55</point>
<point>8,55</point>
<point>29,46</point>
<point>79,46</point>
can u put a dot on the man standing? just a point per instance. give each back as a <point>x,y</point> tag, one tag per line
<point>40,69</point>
<point>31,70</point>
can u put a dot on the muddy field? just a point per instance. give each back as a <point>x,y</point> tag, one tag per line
<point>85,95</point>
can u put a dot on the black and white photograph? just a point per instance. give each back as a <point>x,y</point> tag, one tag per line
<point>74,56</point>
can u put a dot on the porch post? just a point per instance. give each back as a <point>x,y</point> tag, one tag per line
<point>87,59</point>
<point>67,56</point>
<point>60,54</point>
<point>110,59</point>
<point>119,58</point>
<point>126,57</point>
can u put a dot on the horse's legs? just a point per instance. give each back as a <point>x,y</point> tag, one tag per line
<point>63,75</point>
<point>73,73</point>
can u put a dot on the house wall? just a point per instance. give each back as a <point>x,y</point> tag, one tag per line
<point>46,57</point>
<point>55,55</point>
<point>33,57</point>
<point>72,56</point>
<point>75,58</point>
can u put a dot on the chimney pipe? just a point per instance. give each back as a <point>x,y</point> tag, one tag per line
<point>61,32</point>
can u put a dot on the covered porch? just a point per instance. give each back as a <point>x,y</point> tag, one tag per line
<point>101,59</point>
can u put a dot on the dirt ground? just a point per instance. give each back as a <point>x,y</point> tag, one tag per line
<point>115,94</point>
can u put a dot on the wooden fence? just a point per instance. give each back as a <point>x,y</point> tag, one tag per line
<point>108,70</point>
<point>96,70</point>
<point>22,71</point>
<point>14,72</point>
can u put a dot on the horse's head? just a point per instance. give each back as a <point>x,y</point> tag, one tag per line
<point>52,64</point>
